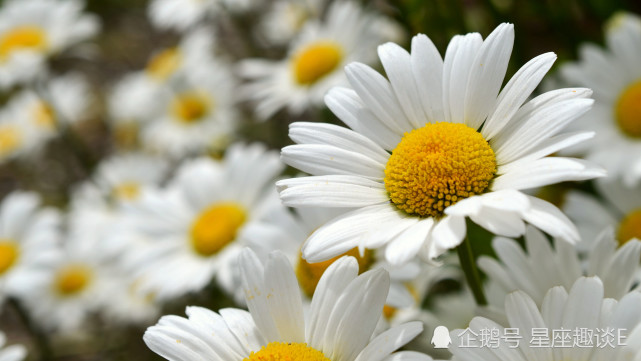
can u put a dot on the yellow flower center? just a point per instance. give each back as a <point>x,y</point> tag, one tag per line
<point>216,227</point>
<point>8,255</point>
<point>44,115</point>
<point>72,279</point>
<point>10,139</point>
<point>630,227</point>
<point>22,37</point>
<point>287,351</point>
<point>191,107</point>
<point>127,191</point>
<point>436,166</point>
<point>316,61</point>
<point>162,65</point>
<point>628,110</point>
<point>309,274</point>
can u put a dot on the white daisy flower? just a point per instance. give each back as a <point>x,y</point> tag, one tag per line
<point>615,76</point>
<point>180,14</point>
<point>199,224</point>
<point>337,328</point>
<point>33,30</point>
<point>198,113</point>
<point>620,209</point>
<point>459,149</point>
<point>12,352</point>
<point>315,60</point>
<point>15,137</point>
<point>541,267</point>
<point>122,177</point>
<point>75,286</point>
<point>583,307</point>
<point>285,18</point>
<point>62,101</point>
<point>29,238</point>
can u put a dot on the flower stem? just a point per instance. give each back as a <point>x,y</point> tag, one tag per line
<point>468,264</point>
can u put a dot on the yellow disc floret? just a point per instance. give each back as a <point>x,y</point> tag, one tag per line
<point>22,37</point>
<point>72,279</point>
<point>284,351</point>
<point>309,274</point>
<point>436,166</point>
<point>316,61</point>
<point>630,227</point>
<point>126,191</point>
<point>10,139</point>
<point>162,65</point>
<point>191,107</point>
<point>216,227</point>
<point>8,255</point>
<point>628,110</point>
<point>44,115</point>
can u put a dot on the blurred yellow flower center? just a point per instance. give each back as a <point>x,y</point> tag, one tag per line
<point>44,115</point>
<point>309,274</point>
<point>287,351</point>
<point>436,166</point>
<point>162,65</point>
<point>216,227</point>
<point>628,110</point>
<point>8,255</point>
<point>316,61</point>
<point>191,107</point>
<point>72,279</point>
<point>22,37</point>
<point>630,227</point>
<point>127,191</point>
<point>10,139</point>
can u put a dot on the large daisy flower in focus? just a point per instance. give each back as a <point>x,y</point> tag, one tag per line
<point>33,30</point>
<point>434,144</point>
<point>337,328</point>
<point>615,76</point>
<point>315,60</point>
<point>583,307</point>
<point>199,224</point>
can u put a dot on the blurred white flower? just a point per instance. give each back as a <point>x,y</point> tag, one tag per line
<point>11,352</point>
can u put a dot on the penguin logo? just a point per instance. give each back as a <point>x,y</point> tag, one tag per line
<point>441,337</point>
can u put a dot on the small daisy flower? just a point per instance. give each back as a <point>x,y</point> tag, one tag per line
<point>122,177</point>
<point>459,148</point>
<point>620,209</point>
<point>198,113</point>
<point>315,60</point>
<point>199,224</point>
<point>615,76</point>
<point>180,14</point>
<point>582,307</point>
<point>64,100</point>
<point>11,352</point>
<point>16,139</point>
<point>542,267</point>
<point>337,328</point>
<point>33,30</point>
<point>75,287</point>
<point>29,238</point>
<point>285,18</point>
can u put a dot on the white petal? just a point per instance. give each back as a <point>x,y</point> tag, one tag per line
<point>407,244</point>
<point>459,56</point>
<point>515,92</point>
<point>340,137</point>
<point>331,191</point>
<point>487,73</point>
<point>550,219</point>
<point>389,341</point>
<point>320,159</point>
<point>548,170</point>
<point>427,65</point>
<point>252,273</point>
<point>522,313</point>
<point>283,298</point>
<point>448,232</point>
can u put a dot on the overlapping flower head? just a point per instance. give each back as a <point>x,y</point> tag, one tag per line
<point>615,76</point>
<point>337,326</point>
<point>436,142</point>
